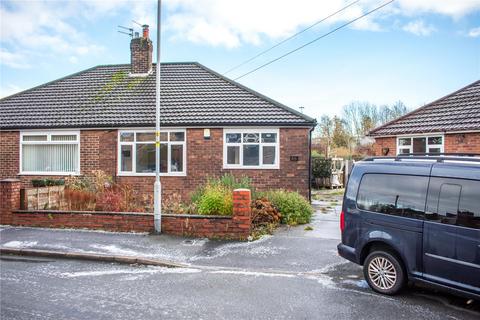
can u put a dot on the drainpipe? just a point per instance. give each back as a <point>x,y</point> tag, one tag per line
<point>310,164</point>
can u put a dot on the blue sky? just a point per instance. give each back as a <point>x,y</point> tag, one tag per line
<point>414,51</point>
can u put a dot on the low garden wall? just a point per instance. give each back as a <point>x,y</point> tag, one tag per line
<point>235,227</point>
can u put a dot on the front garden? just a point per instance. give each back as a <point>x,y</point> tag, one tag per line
<point>99,192</point>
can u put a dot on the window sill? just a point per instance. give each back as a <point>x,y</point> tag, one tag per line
<point>49,173</point>
<point>250,168</point>
<point>132,174</point>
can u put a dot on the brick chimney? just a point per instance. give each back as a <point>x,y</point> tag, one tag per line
<point>141,53</point>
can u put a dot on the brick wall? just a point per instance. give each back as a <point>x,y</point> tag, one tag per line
<point>382,143</point>
<point>238,226</point>
<point>467,142</point>
<point>98,151</point>
<point>454,143</point>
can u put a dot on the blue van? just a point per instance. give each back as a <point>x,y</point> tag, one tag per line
<point>414,219</point>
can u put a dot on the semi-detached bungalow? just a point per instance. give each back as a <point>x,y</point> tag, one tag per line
<point>103,118</point>
<point>448,125</point>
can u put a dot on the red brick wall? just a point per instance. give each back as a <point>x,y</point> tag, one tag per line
<point>454,143</point>
<point>381,143</point>
<point>467,142</point>
<point>98,151</point>
<point>235,227</point>
<point>9,199</point>
<point>9,154</point>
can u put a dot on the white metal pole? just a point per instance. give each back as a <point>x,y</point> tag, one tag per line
<point>157,189</point>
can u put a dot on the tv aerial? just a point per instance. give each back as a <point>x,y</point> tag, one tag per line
<point>129,31</point>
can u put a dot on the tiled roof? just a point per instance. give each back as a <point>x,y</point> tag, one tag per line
<point>106,96</point>
<point>459,111</point>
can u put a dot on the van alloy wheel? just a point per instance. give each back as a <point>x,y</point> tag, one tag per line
<point>382,273</point>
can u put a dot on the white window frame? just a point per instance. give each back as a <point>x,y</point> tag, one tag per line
<point>50,142</point>
<point>134,152</point>
<point>276,144</point>
<point>427,146</point>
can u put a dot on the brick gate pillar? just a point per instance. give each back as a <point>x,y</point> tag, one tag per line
<point>9,199</point>
<point>242,212</point>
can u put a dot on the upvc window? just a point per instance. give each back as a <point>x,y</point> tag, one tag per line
<point>50,153</point>
<point>137,152</point>
<point>420,144</point>
<point>251,148</point>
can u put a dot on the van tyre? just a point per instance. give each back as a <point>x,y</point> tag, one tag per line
<point>384,272</point>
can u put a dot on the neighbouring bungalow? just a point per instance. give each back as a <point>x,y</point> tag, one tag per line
<point>448,125</point>
<point>103,118</point>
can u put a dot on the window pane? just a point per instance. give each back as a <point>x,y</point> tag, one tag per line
<point>177,158</point>
<point>163,158</point>
<point>404,150</point>
<point>35,138</point>
<point>434,150</point>
<point>405,141</point>
<point>469,208</point>
<point>269,137</point>
<point>233,137</point>
<point>163,136</point>
<point>454,201</point>
<point>145,158</point>
<point>233,155</point>
<point>177,136</point>
<point>126,158</point>
<point>435,140</point>
<point>251,137</point>
<point>146,136</point>
<point>50,158</point>
<point>251,155</point>
<point>419,145</point>
<point>268,155</point>
<point>448,202</point>
<point>393,194</point>
<point>126,136</point>
<point>64,137</point>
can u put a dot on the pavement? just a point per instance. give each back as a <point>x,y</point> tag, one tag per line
<point>294,274</point>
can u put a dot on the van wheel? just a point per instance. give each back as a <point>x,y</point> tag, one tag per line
<point>384,273</point>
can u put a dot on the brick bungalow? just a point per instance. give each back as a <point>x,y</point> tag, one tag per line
<point>450,125</point>
<point>103,118</point>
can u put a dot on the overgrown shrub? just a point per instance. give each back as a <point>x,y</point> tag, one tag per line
<point>294,208</point>
<point>216,200</point>
<point>79,199</point>
<point>215,197</point>
<point>321,167</point>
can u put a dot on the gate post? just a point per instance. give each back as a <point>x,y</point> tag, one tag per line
<point>9,199</point>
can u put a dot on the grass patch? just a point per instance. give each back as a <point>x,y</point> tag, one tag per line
<point>308,228</point>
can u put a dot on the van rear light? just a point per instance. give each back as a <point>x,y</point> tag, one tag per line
<point>342,221</point>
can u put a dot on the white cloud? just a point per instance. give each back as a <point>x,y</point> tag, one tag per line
<point>8,90</point>
<point>451,8</point>
<point>73,59</point>
<point>475,32</point>
<point>235,22</point>
<point>419,28</point>
<point>14,60</point>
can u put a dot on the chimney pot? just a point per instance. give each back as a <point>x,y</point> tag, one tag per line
<point>145,31</point>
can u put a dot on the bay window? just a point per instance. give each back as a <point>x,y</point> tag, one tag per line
<point>251,148</point>
<point>137,152</point>
<point>420,144</point>
<point>50,153</point>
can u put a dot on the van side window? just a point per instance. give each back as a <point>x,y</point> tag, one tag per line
<point>454,201</point>
<point>399,195</point>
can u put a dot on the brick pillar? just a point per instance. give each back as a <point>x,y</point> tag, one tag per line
<point>242,212</point>
<point>9,199</point>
